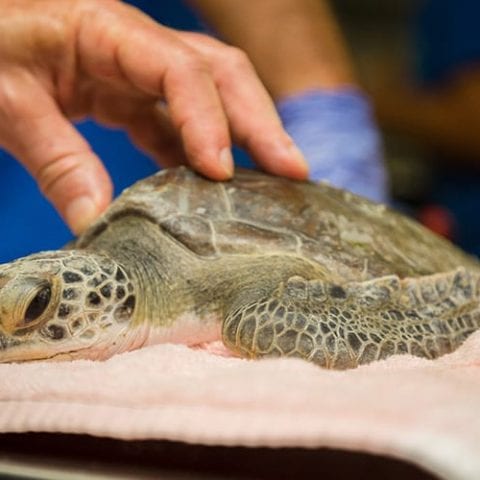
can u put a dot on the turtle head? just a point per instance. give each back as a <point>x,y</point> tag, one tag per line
<point>62,305</point>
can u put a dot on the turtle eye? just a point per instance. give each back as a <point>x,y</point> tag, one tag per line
<point>38,304</point>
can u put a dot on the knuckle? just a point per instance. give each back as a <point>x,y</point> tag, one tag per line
<point>12,98</point>
<point>187,126</point>
<point>94,7</point>
<point>53,174</point>
<point>8,106</point>
<point>192,61</point>
<point>237,59</point>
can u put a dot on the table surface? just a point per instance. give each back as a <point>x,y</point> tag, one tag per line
<point>79,457</point>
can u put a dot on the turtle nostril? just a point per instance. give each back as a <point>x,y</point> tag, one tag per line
<point>39,304</point>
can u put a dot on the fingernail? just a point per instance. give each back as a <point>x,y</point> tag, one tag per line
<point>297,155</point>
<point>289,159</point>
<point>80,214</point>
<point>226,161</point>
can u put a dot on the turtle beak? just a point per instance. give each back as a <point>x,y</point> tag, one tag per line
<point>3,343</point>
<point>4,279</point>
<point>8,346</point>
<point>19,350</point>
<point>6,342</point>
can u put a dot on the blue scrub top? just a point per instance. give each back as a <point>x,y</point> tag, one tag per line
<point>28,223</point>
<point>447,38</point>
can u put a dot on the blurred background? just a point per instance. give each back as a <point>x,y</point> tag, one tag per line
<point>419,60</point>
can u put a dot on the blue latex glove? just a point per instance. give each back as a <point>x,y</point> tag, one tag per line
<point>337,134</point>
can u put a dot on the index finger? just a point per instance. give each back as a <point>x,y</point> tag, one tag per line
<point>253,118</point>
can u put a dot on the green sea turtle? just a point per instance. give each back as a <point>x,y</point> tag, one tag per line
<point>272,266</point>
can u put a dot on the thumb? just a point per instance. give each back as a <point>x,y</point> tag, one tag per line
<point>70,175</point>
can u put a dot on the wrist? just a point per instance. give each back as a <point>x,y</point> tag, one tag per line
<point>337,133</point>
<point>299,84</point>
<point>348,95</point>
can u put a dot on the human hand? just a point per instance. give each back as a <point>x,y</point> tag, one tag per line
<point>336,131</point>
<point>181,97</point>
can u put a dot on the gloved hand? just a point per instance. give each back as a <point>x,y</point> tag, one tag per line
<point>336,132</point>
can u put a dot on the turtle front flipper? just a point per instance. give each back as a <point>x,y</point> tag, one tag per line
<point>343,326</point>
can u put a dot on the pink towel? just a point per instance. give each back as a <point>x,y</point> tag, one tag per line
<point>425,412</point>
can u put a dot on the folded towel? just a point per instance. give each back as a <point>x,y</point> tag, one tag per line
<point>422,411</point>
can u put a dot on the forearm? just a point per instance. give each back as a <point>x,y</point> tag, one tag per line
<point>295,45</point>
